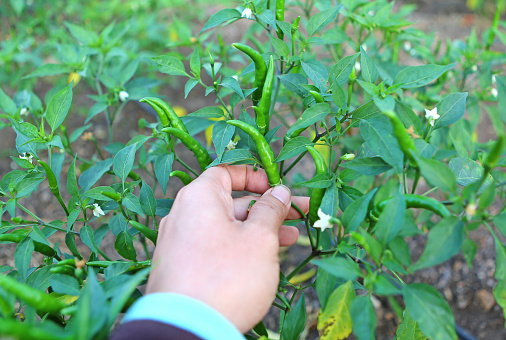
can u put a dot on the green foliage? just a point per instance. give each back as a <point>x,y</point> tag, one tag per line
<point>338,82</point>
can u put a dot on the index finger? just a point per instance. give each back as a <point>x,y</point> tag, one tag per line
<point>236,178</point>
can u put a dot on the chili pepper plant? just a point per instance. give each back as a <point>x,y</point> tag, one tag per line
<point>394,147</point>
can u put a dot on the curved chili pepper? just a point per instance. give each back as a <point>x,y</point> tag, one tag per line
<point>280,16</point>
<point>317,193</point>
<point>406,143</point>
<point>264,151</point>
<point>64,269</point>
<point>262,112</point>
<point>53,185</point>
<point>260,70</point>
<point>416,201</point>
<point>193,145</point>
<point>494,154</point>
<point>33,297</point>
<point>183,176</point>
<point>317,97</point>
<point>42,248</point>
<point>149,233</point>
<point>165,111</point>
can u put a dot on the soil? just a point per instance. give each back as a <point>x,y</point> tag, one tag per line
<point>468,290</point>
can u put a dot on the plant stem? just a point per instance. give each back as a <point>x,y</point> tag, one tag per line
<point>301,265</point>
<point>185,165</point>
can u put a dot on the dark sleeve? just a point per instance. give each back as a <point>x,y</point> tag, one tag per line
<point>149,329</point>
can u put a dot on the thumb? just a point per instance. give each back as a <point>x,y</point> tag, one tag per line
<point>272,208</point>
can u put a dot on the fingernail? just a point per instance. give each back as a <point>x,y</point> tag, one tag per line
<point>282,193</point>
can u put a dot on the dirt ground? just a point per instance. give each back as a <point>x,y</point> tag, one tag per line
<point>468,290</point>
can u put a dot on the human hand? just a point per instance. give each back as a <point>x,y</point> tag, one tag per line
<point>210,248</point>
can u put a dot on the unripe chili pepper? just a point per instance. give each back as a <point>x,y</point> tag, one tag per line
<point>193,145</point>
<point>183,176</point>
<point>42,248</point>
<point>280,15</point>
<point>317,193</point>
<point>53,185</point>
<point>112,195</point>
<point>149,233</point>
<point>416,201</point>
<point>494,155</point>
<point>260,70</point>
<point>165,111</point>
<point>317,97</point>
<point>64,269</point>
<point>42,302</point>
<point>262,112</point>
<point>67,262</point>
<point>406,144</point>
<point>14,329</point>
<point>264,151</point>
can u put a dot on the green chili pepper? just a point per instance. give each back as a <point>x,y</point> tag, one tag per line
<point>260,70</point>
<point>280,15</point>
<point>317,193</point>
<point>183,176</point>
<point>149,233</point>
<point>33,297</point>
<point>317,96</point>
<point>193,145</point>
<point>262,112</point>
<point>405,141</point>
<point>165,111</point>
<point>112,195</point>
<point>53,185</point>
<point>64,269</point>
<point>67,262</point>
<point>494,155</point>
<point>39,247</point>
<point>416,201</point>
<point>264,151</point>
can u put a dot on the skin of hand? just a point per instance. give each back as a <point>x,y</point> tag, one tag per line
<point>210,248</point>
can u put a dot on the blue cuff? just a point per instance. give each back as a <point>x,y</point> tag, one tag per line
<point>186,313</point>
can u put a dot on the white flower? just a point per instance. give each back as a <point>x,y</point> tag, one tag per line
<point>24,111</point>
<point>407,46</point>
<point>348,157</point>
<point>231,145</point>
<point>494,79</point>
<point>246,13</point>
<point>357,67</point>
<point>431,115</point>
<point>364,46</point>
<point>494,92</point>
<point>123,96</point>
<point>324,222</point>
<point>474,68</point>
<point>29,158</point>
<point>97,211</point>
<point>470,210</point>
<point>371,13</point>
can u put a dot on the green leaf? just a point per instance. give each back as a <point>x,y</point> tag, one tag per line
<point>500,222</point>
<point>500,295</point>
<point>7,105</point>
<point>334,323</point>
<point>64,284</point>
<point>430,310</point>
<point>72,187</point>
<point>319,181</point>
<point>96,193</point>
<point>221,17</point>
<point>325,283</point>
<point>340,267</point>
<point>367,66</point>
<point>500,260</point>
<point>444,241</point>
<point>363,112</point>
<point>208,112</point>
<point>368,166</point>
<point>132,203</point>
<point>295,321</point>
<point>391,219</point>
<point>91,175</point>
<point>409,329</point>
<point>469,248</point>
<point>233,84</point>
<point>124,246</point>
<point>338,95</point>
<point>169,65</point>
<point>356,212</point>
<point>317,72</point>
<point>384,104</point>
<point>322,19</point>
<point>408,117</point>
<point>466,170</point>
<point>330,201</point>
<point>450,109</point>
<point>22,257</point>
<point>124,161</point>
<point>58,107</point>
<point>437,174</point>
<point>280,47</point>
<point>48,70</point>
<point>81,34</point>
<point>222,135</point>
<point>163,168</point>
<point>195,63</point>
<point>128,71</point>
<point>340,72</point>
<point>293,147</point>
<point>148,201</point>
<point>377,132</point>
<point>418,76</point>
<point>88,238</point>
<point>363,317</point>
<point>312,115</point>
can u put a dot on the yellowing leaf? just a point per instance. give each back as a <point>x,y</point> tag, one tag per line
<point>179,110</point>
<point>334,323</point>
